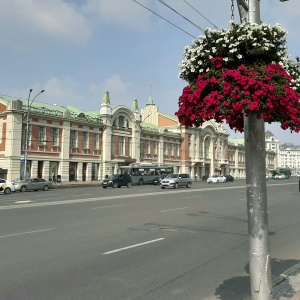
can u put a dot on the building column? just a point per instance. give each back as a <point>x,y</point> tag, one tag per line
<point>161,151</point>
<point>34,169</point>
<point>88,172</point>
<point>63,170</point>
<point>46,170</point>
<point>79,171</point>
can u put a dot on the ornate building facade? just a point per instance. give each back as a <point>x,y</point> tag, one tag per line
<point>87,145</point>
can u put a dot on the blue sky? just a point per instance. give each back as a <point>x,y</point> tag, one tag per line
<point>77,49</point>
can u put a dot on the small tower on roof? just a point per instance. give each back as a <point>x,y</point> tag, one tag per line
<point>135,109</point>
<point>105,105</point>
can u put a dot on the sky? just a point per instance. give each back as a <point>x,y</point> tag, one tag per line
<point>78,49</point>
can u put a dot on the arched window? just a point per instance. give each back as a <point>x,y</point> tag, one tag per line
<point>206,147</point>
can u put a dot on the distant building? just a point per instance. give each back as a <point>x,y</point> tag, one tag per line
<point>87,145</point>
<point>289,156</point>
<point>272,144</point>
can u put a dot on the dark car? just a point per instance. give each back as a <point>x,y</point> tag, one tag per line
<point>117,180</point>
<point>158,179</point>
<point>229,178</point>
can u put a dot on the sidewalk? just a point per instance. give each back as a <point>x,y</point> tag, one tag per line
<point>287,285</point>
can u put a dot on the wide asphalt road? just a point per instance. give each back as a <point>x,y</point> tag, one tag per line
<point>140,242</point>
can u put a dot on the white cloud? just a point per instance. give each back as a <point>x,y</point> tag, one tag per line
<point>126,13</point>
<point>28,23</point>
<point>63,92</point>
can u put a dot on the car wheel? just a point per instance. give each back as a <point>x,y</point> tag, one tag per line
<point>7,191</point>
<point>115,184</point>
<point>141,182</point>
<point>217,181</point>
<point>128,184</point>
<point>162,187</point>
<point>176,185</point>
<point>188,185</point>
<point>104,187</point>
<point>23,188</point>
<point>119,186</point>
<point>45,188</point>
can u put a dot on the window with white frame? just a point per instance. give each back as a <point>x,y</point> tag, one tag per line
<point>96,140</point>
<point>121,121</point>
<point>85,141</point>
<point>55,134</point>
<point>42,135</point>
<point>172,149</point>
<point>121,146</point>
<point>74,139</point>
<point>165,148</point>
<point>148,147</point>
<point>155,148</point>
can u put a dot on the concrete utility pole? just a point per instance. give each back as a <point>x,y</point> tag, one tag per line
<point>255,154</point>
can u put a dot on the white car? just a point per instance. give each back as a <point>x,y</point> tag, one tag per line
<point>280,176</point>
<point>6,187</point>
<point>216,179</point>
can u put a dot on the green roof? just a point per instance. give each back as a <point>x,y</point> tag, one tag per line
<point>148,125</point>
<point>173,117</point>
<point>239,141</point>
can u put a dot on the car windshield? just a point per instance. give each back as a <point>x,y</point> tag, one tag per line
<point>113,177</point>
<point>215,176</point>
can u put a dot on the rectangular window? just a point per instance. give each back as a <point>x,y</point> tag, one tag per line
<point>155,148</point>
<point>121,146</point>
<point>121,121</point>
<point>96,140</point>
<point>74,139</point>
<point>55,132</point>
<point>165,148</point>
<point>172,150</point>
<point>42,135</point>
<point>85,142</point>
<point>148,147</point>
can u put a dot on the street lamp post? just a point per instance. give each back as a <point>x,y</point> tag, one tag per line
<point>27,129</point>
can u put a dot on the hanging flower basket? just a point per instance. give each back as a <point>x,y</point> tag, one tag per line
<point>240,71</point>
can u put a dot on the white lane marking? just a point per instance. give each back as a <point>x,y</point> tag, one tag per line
<point>107,206</point>
<point>28,232</point>
<point>23,201</point>
<point>106,198</point>
<point>132,246</point>
<point>173,209</point>
<point>192,197</point>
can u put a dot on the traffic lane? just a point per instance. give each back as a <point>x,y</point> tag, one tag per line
<point>56,194</point>
<point>76,258</point>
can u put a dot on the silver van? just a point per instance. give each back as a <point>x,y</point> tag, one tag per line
<point>176,180</point>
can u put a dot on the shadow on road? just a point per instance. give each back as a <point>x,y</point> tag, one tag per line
<point>238,288</point>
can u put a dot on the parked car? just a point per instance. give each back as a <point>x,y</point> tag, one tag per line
<point>159,178</point>
<point>6,187</point>
<point>216,179</point>
<point>229,178</point>
<point>280,176</point>
<point>117,180</point>
<point>176,180</point>
<point>34,184</point>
